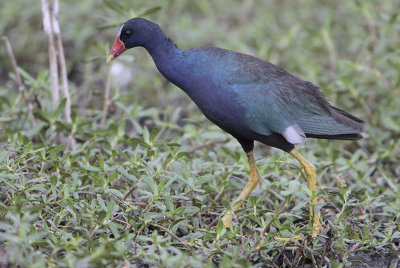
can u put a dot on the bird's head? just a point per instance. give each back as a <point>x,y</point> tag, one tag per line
<point>135,32</point>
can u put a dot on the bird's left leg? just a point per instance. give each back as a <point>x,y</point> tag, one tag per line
<point>253,181</point>
<point>312,185</point>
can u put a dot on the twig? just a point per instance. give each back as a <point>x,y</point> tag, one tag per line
<point>137,235</point>
<point>365,150</point>
<point>294,262</point>
<point>107,101</point>
<point>169,164</point>
<point>247,10</point>
<point>242,239</point>
<point>129,192</point>
<point>52,52</point>
<point>260,241</point>
<point>354,247</point>
<point>327,247</point>
<point>173,235</point>
<point>215,221</point>
<point>314,263</point>
<point>286,260</point>
<point>21,87</point>
<point>211,248</point>
<point>395,262</point>
<point>279,254</point>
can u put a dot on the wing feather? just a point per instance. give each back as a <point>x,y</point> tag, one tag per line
<point>275,100</point>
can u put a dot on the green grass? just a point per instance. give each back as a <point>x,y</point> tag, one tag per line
<point>149,188</point>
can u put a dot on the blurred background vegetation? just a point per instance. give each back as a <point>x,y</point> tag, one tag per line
<point>78,208</point>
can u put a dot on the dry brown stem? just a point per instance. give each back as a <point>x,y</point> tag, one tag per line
<point>21,87</point>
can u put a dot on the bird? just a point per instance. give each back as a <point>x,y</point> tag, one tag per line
<point>249,98</point>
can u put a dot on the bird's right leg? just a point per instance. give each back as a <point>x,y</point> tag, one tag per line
<point>311,177</point>
<point>253,181</point>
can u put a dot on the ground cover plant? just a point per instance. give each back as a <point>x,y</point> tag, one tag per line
<point>143,180</point>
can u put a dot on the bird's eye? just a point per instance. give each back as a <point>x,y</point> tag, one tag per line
<point>126,34</point>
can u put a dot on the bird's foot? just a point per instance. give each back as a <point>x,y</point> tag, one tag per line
<point>288,240</point>
<point>227,219</point>
<point>317,228</point>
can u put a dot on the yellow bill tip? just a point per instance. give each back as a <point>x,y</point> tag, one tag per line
<point>110,58</point>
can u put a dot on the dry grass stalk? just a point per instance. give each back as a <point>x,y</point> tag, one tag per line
<point>107,100</point>
<point>48,29</point>
<point>61,59</point>
<point>52,29</point>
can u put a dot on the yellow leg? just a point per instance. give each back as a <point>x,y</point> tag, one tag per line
<point>312,185</point>
<point>253,181</point>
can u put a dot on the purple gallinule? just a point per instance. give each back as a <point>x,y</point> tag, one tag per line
<point>249,98</point>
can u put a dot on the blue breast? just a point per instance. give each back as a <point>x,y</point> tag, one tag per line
<point>202,73</point>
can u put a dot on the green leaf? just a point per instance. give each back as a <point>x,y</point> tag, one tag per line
<point>101,162</point>
<point>59,109</point>
<point>105,27</point>
<point>391,124</point>
<point>161,184</point>
<point>114,6</point>
<point>181,155</point>
<point>39,114</point>
<point>220,230</point>
<point>149,11</point>
<point>150,182</point>
<point>115,192</point>
<point>154,133</point>
<point>5,101</point>
<point>125,173</point>
<point>121,129</point>
<point>179,210</point>
<point>137,141</point>
<point>89,168</point>
<point>146,135</point>
<point>101,202</point>
<point>227,205</point>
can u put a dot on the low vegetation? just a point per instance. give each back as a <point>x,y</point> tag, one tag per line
<point>147,186</point>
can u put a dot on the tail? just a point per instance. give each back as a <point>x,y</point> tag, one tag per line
<point>350,137</point>
<point>340,125</point>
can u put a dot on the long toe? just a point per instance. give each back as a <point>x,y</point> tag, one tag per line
<point>317,228</point>
<point>227,219</point>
